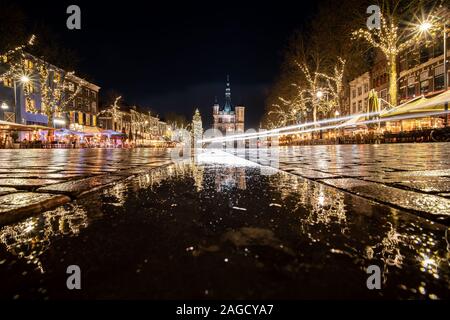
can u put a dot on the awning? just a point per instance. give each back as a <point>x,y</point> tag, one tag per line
<point>113,133</point>
<point>353,122</point>
<point>420,105</point>
<point>6,125</point>
<point>64,132</point>
<point>88,130</point>
<point>39,127</point>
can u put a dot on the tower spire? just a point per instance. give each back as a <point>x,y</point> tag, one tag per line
<point>227,107</point>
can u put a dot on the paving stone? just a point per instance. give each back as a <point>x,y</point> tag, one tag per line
<point>77,188</point>
<point>419,202</point>
<point>29,175</point>
<point>16,206</point>
<point>432,186</point>
<point>26,184</point>
<point>312,174</point>
<point>6,190</point>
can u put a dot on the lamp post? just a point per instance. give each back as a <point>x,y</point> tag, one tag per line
<point>24,79</point>
<point>424,27</point>
<point>4,107</point>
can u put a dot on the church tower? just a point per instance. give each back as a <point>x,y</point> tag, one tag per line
<point>229,119</point>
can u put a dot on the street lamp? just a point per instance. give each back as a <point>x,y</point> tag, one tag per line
<point>24,79</point>
<point>4,106</point>
<point>319,94</point>
<point>336,114</point>
<point>424,27</point>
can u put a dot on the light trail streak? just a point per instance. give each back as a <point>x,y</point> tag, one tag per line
<point>270,133</point>
<point>296,126</point>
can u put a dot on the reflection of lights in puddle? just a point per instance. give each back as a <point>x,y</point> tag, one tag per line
<point>321,199</point>
<point>428,262</point>
<point>29,226</point>
<point>222,157</point>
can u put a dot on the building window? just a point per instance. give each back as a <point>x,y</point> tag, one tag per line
<point>29,87</point>
<point>28,64</point>
<point>439,77</point>
<point>71,87</point>
<point>424,86</point>
<point>359,105</point>
<point>438,48</point>
<point>8,82</point>
<point>359,91</point>
<point>366,87</point>
<point>354,107</point>
<point>424,54</point>
<point>403,63</point>
<point>411,90</point>
<point>439,82</point>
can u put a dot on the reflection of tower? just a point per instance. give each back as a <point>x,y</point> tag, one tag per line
<point>197,128</point>
<point>231,177</point>
<point>229,119</point>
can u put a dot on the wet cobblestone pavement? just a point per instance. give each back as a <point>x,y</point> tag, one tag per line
<point>34,180</point>
<point>218,228</point>
<point>414,177</point>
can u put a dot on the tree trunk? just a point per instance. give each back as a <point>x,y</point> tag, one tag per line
<point>314,119</point>
<point>393,88</point>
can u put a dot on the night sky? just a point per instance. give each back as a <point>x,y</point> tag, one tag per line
<point>174,56</point>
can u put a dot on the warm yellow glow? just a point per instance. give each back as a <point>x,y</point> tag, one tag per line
<point>24,78</point>
<point>319,94</point>
<point>425,26</point>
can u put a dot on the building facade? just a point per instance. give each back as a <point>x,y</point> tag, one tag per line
<point>46,95</point>
<point>229,119</point>
<point>359,93</point>
<point>138,124</point>
<point>81,112</point>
